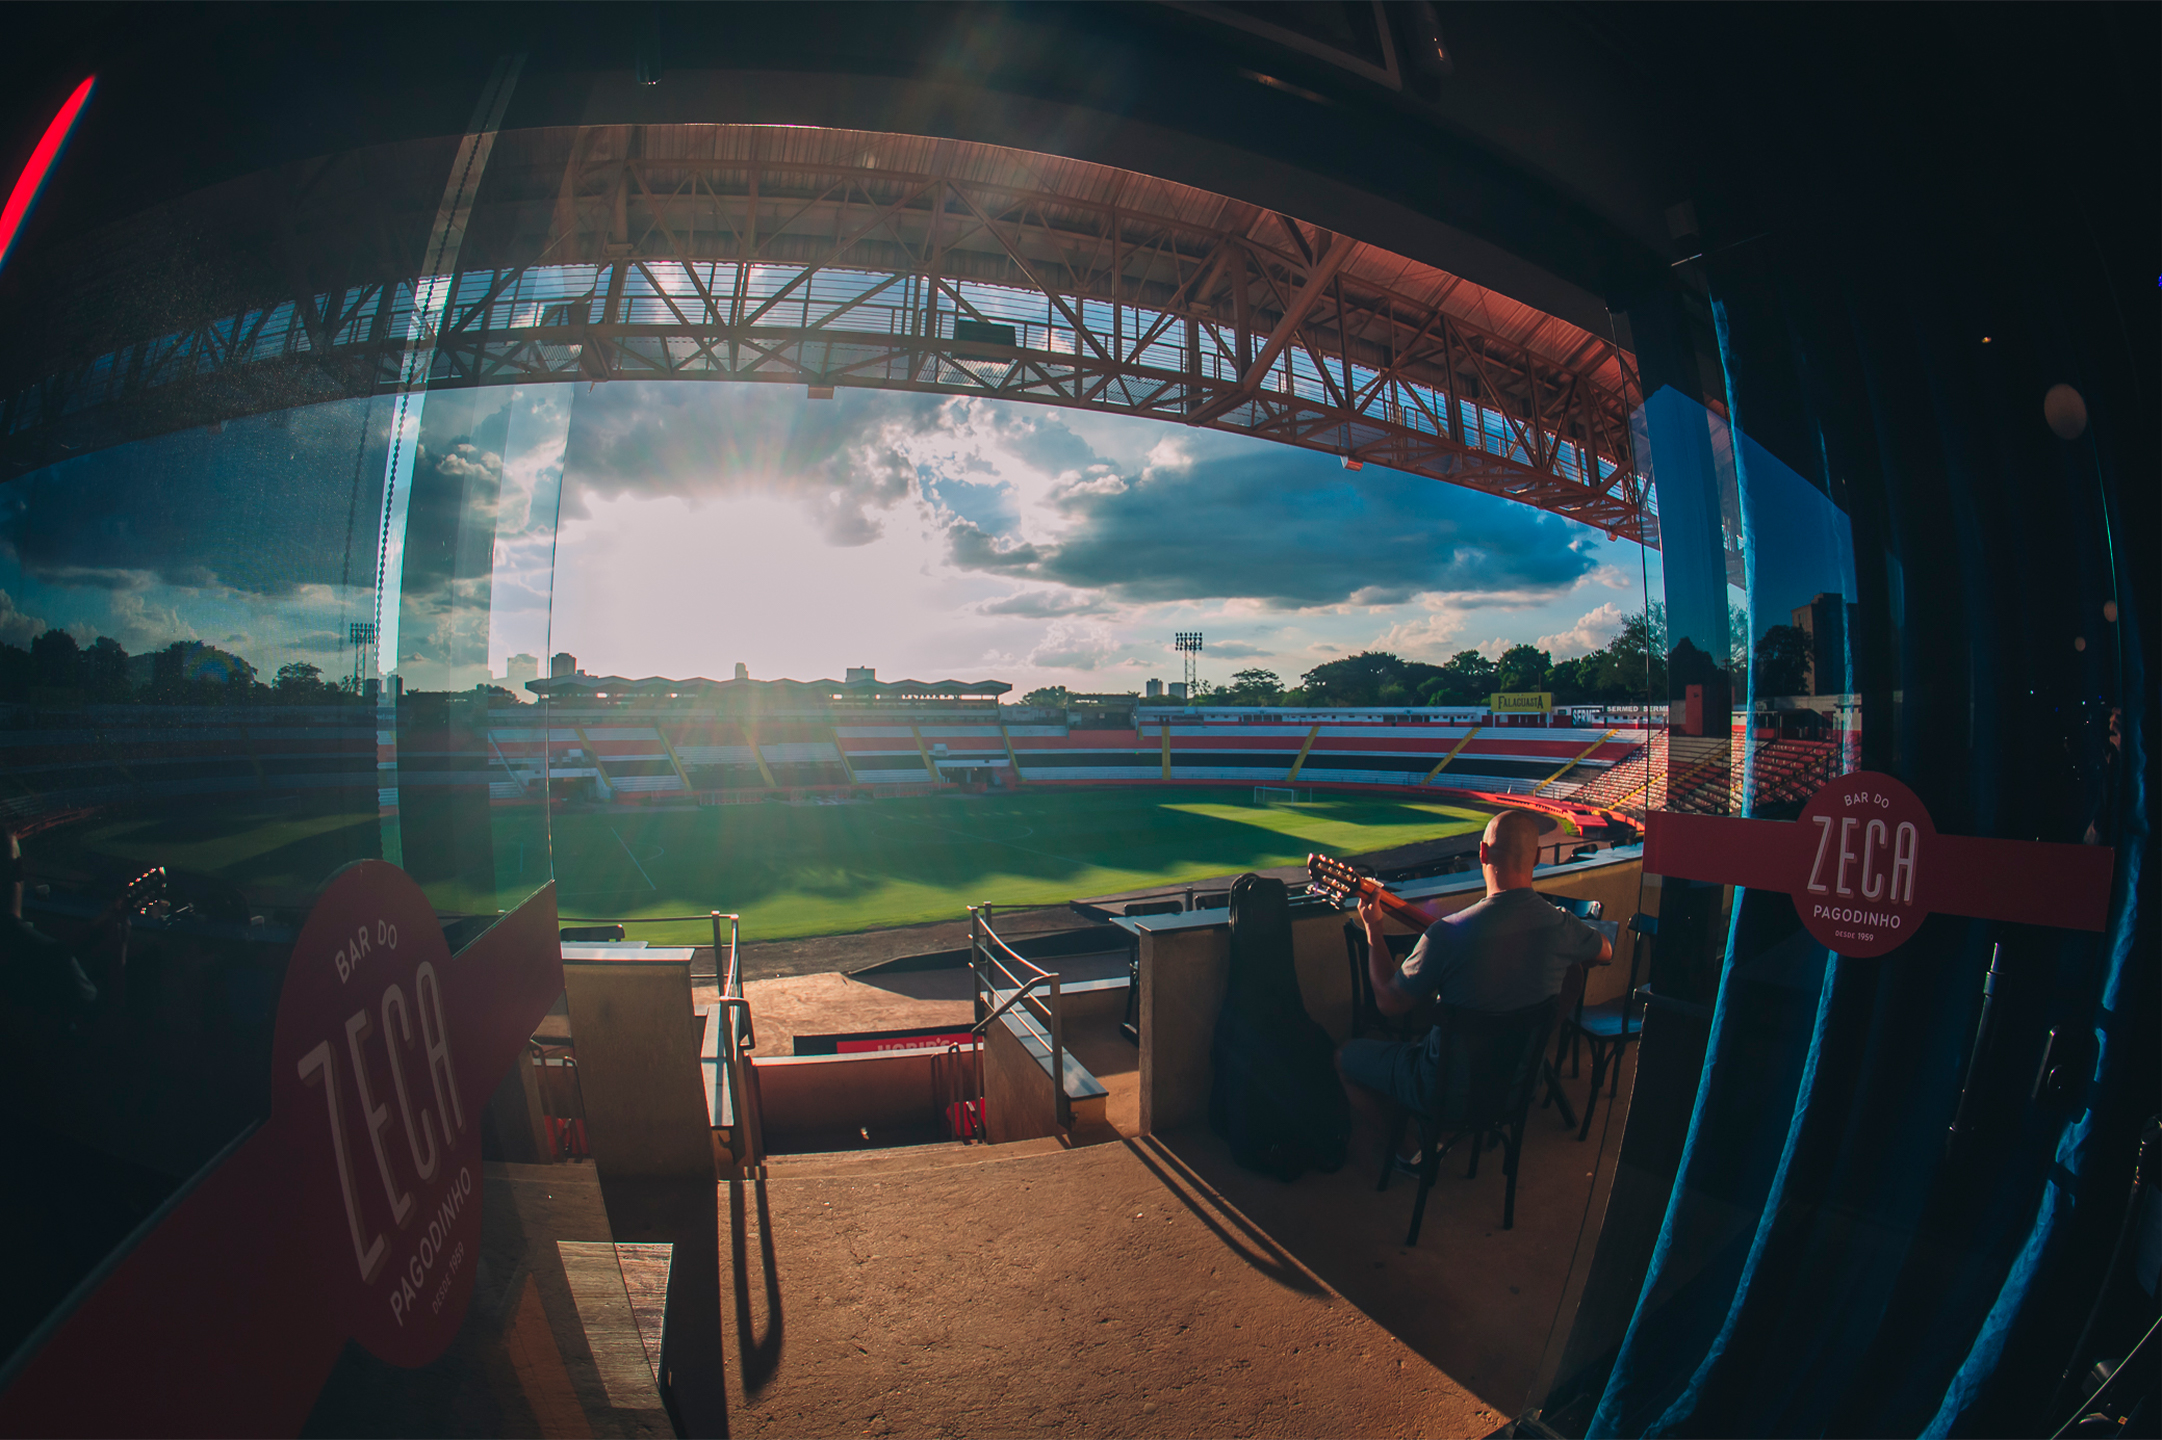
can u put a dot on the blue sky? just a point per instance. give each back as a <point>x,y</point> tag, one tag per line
<point>703,524</point>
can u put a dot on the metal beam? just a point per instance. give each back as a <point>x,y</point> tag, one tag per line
<point>830,270</point>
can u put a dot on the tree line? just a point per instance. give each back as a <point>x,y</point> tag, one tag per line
<point>1630,669</point>
<point>57,669</point>
<point>1623,672</point>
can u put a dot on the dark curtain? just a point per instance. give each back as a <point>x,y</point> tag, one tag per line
<point>1831,1261</point>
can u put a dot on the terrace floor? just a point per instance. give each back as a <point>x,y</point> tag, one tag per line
<point>1029,1289</point>
<point>1137,1285</point>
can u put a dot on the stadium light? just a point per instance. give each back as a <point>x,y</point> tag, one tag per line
<point>1188,644</point>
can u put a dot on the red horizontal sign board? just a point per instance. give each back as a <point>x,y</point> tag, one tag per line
<point>881,1044</point>
<point>1866,866</point>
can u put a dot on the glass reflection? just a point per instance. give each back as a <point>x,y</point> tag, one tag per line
<point>201,727</point>
<point>1793,650</point>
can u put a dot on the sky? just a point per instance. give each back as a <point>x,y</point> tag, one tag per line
<point>935,538</point>
<point>702,525</point>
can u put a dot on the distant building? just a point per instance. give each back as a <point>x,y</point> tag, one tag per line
<point>1823,623</point>
<point>1177,689</point>
<point>743,671</point>
<point>857,675</point>
<point>520,668</point>
<point>563,664</point>
<point>1154,690</point>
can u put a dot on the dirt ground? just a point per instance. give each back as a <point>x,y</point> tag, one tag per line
<point>1029,1289</point>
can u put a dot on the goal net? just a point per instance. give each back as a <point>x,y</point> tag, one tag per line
<point>1279,795</point>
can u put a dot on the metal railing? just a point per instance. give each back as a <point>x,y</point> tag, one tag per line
<point>1008,982</point>
<point>746,1128</point>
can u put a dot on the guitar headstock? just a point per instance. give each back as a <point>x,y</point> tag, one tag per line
<point>1332,877</point>
<point>139,892</point>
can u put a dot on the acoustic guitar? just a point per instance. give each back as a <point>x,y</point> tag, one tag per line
<point>1339,882</point>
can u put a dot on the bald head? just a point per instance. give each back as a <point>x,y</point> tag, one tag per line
<point>1510,848</point>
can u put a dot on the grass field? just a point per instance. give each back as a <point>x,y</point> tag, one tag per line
<point>797,870</point>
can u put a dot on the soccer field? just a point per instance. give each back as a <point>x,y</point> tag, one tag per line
<point>797,870</point>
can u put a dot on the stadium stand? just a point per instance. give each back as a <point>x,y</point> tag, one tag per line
<point>1624,785</point>
<point>1788,772</point>
<point>643,746</point>
<point>104,755</point>
<point>720,741</point>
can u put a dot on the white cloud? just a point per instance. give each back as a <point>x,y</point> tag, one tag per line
<point>1044,604</point>
<point>1070,646</point>
<point>1430,637</point>
<point>1592,631</point>
<point>17,628</point>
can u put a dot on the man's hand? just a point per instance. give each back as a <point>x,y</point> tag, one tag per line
<point>1370,913</point>
<point>1382,971</point>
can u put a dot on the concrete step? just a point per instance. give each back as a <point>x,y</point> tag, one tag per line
<point>902,1159</point>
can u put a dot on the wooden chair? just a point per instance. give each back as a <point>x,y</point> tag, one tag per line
<point>1567,1003</point>
<point>1500,1056</point>
<point>1572,1002</point>
<point>1610,1026</point>
<point>1366,1016</point>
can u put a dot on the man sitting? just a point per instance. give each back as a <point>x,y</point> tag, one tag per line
<point>37,972</point>
<point>1507,952</point>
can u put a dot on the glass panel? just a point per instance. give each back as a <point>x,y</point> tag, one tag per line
<point>1803,721</point>
<point>190,681</point>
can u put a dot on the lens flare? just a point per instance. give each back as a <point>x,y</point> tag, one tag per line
<point>32,179</point>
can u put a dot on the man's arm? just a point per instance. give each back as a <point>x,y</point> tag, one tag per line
<point>1390,995</point>
<point>1598,935</point>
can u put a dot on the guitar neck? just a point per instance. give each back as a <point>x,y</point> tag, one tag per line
<point>1395,906</point>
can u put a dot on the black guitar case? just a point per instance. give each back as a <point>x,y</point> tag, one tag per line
<point>1276,1097</point>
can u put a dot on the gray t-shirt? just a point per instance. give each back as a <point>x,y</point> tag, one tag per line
<point>1504,953</point>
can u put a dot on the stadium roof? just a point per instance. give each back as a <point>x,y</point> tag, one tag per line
<point>849,258</point>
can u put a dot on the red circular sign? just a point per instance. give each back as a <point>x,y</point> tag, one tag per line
<point>1869,839</point>
<point>384,1128</point>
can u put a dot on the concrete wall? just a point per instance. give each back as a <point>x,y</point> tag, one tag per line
<point>806,1093</point>
<point>1183,975</point>
<point>637,1038</point>
<point>1020,1098</point>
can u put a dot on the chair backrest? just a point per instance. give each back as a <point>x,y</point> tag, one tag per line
<point>1570,904</point>
<point>1641,930</point>
<point>1498,1054</point>
<point>1365,1014</point>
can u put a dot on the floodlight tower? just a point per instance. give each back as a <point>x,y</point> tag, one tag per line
<point>1188,644</point>
<point>360,634</point>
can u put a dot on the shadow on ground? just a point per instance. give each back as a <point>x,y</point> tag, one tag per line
<point>1477,1301</point>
